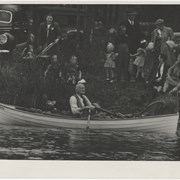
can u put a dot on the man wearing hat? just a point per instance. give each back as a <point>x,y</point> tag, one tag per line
<point>134,37</point>
<point>163,34</point>
<point>79,103</point>
<point>132,30</point>
<point>162,44</point>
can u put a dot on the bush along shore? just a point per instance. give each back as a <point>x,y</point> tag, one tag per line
<point>22,83</point>
<point>18,86</point>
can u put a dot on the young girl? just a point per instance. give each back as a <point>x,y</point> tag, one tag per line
<point>139,62</point>
<point>110,62</point>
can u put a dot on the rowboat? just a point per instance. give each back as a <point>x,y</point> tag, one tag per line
<point>11,115</point>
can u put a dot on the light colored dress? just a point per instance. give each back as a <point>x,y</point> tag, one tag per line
<point>110,60</point>
<point>140,58</point>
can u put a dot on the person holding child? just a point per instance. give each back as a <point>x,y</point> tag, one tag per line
<point>110,62</point>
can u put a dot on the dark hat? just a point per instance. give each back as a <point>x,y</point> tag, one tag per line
<point>131,11</point>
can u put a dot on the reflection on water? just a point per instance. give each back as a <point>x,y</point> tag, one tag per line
<point>68,144</point>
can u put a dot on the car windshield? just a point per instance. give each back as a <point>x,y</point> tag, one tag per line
<point>5,16</point>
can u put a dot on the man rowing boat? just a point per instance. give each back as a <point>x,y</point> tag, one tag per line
<point>79,103</point>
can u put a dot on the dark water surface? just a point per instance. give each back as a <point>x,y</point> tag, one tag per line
<point>67,144</point>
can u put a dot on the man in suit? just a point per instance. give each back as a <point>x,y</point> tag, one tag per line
<point>134,37</point>
<point>49,32</point>
<point>132,30</point>
<point>163,34</point>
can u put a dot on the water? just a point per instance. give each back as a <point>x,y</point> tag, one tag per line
<point>67,144</point>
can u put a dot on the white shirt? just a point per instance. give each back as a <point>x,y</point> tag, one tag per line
<point>48,26</point>
<point>131,22</point>
<point>74,106</point>
<point>161,70</point>
<point>159,32</point>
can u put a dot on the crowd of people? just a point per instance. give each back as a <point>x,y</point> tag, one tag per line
<point>128,57</point>
<point>131,57</point>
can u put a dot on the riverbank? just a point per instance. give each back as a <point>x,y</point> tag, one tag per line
<point>125,97</point>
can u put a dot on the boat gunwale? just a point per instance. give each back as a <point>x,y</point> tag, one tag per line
<point>13,108</point>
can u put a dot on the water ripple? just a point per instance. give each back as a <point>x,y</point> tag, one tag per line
<point>67,144</point>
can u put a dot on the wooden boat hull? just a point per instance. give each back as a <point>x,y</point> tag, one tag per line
<point>10,115</point>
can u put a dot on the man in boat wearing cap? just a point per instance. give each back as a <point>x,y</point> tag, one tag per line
<point>79,103</point>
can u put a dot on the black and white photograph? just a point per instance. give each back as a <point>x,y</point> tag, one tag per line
<point>90,82</point>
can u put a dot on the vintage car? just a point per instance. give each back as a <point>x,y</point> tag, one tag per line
<point>13,27</point>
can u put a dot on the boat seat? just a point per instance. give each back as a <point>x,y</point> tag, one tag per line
<point>155,108</point>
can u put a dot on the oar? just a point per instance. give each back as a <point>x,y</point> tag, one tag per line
<point>108,112</point>
<point>89,118</point>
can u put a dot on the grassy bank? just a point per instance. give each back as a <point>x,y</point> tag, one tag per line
<point>127,97</point>
<point>20,83</point>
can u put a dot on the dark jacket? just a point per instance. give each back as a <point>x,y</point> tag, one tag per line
<point>134,35</point>
<point>54,33</point>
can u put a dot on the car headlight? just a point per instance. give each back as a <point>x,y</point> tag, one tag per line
<point>3,39</point>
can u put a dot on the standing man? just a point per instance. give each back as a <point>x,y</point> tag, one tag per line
<point>132,30</point>
<point>134,37</point>
<point>49,32</point>
<point>160,37</point>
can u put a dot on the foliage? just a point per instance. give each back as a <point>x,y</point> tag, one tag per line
<point>19,83</point>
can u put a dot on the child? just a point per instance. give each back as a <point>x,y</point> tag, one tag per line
<point>74,73</point>
<point>139,62</point>
<point>110,62</point>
